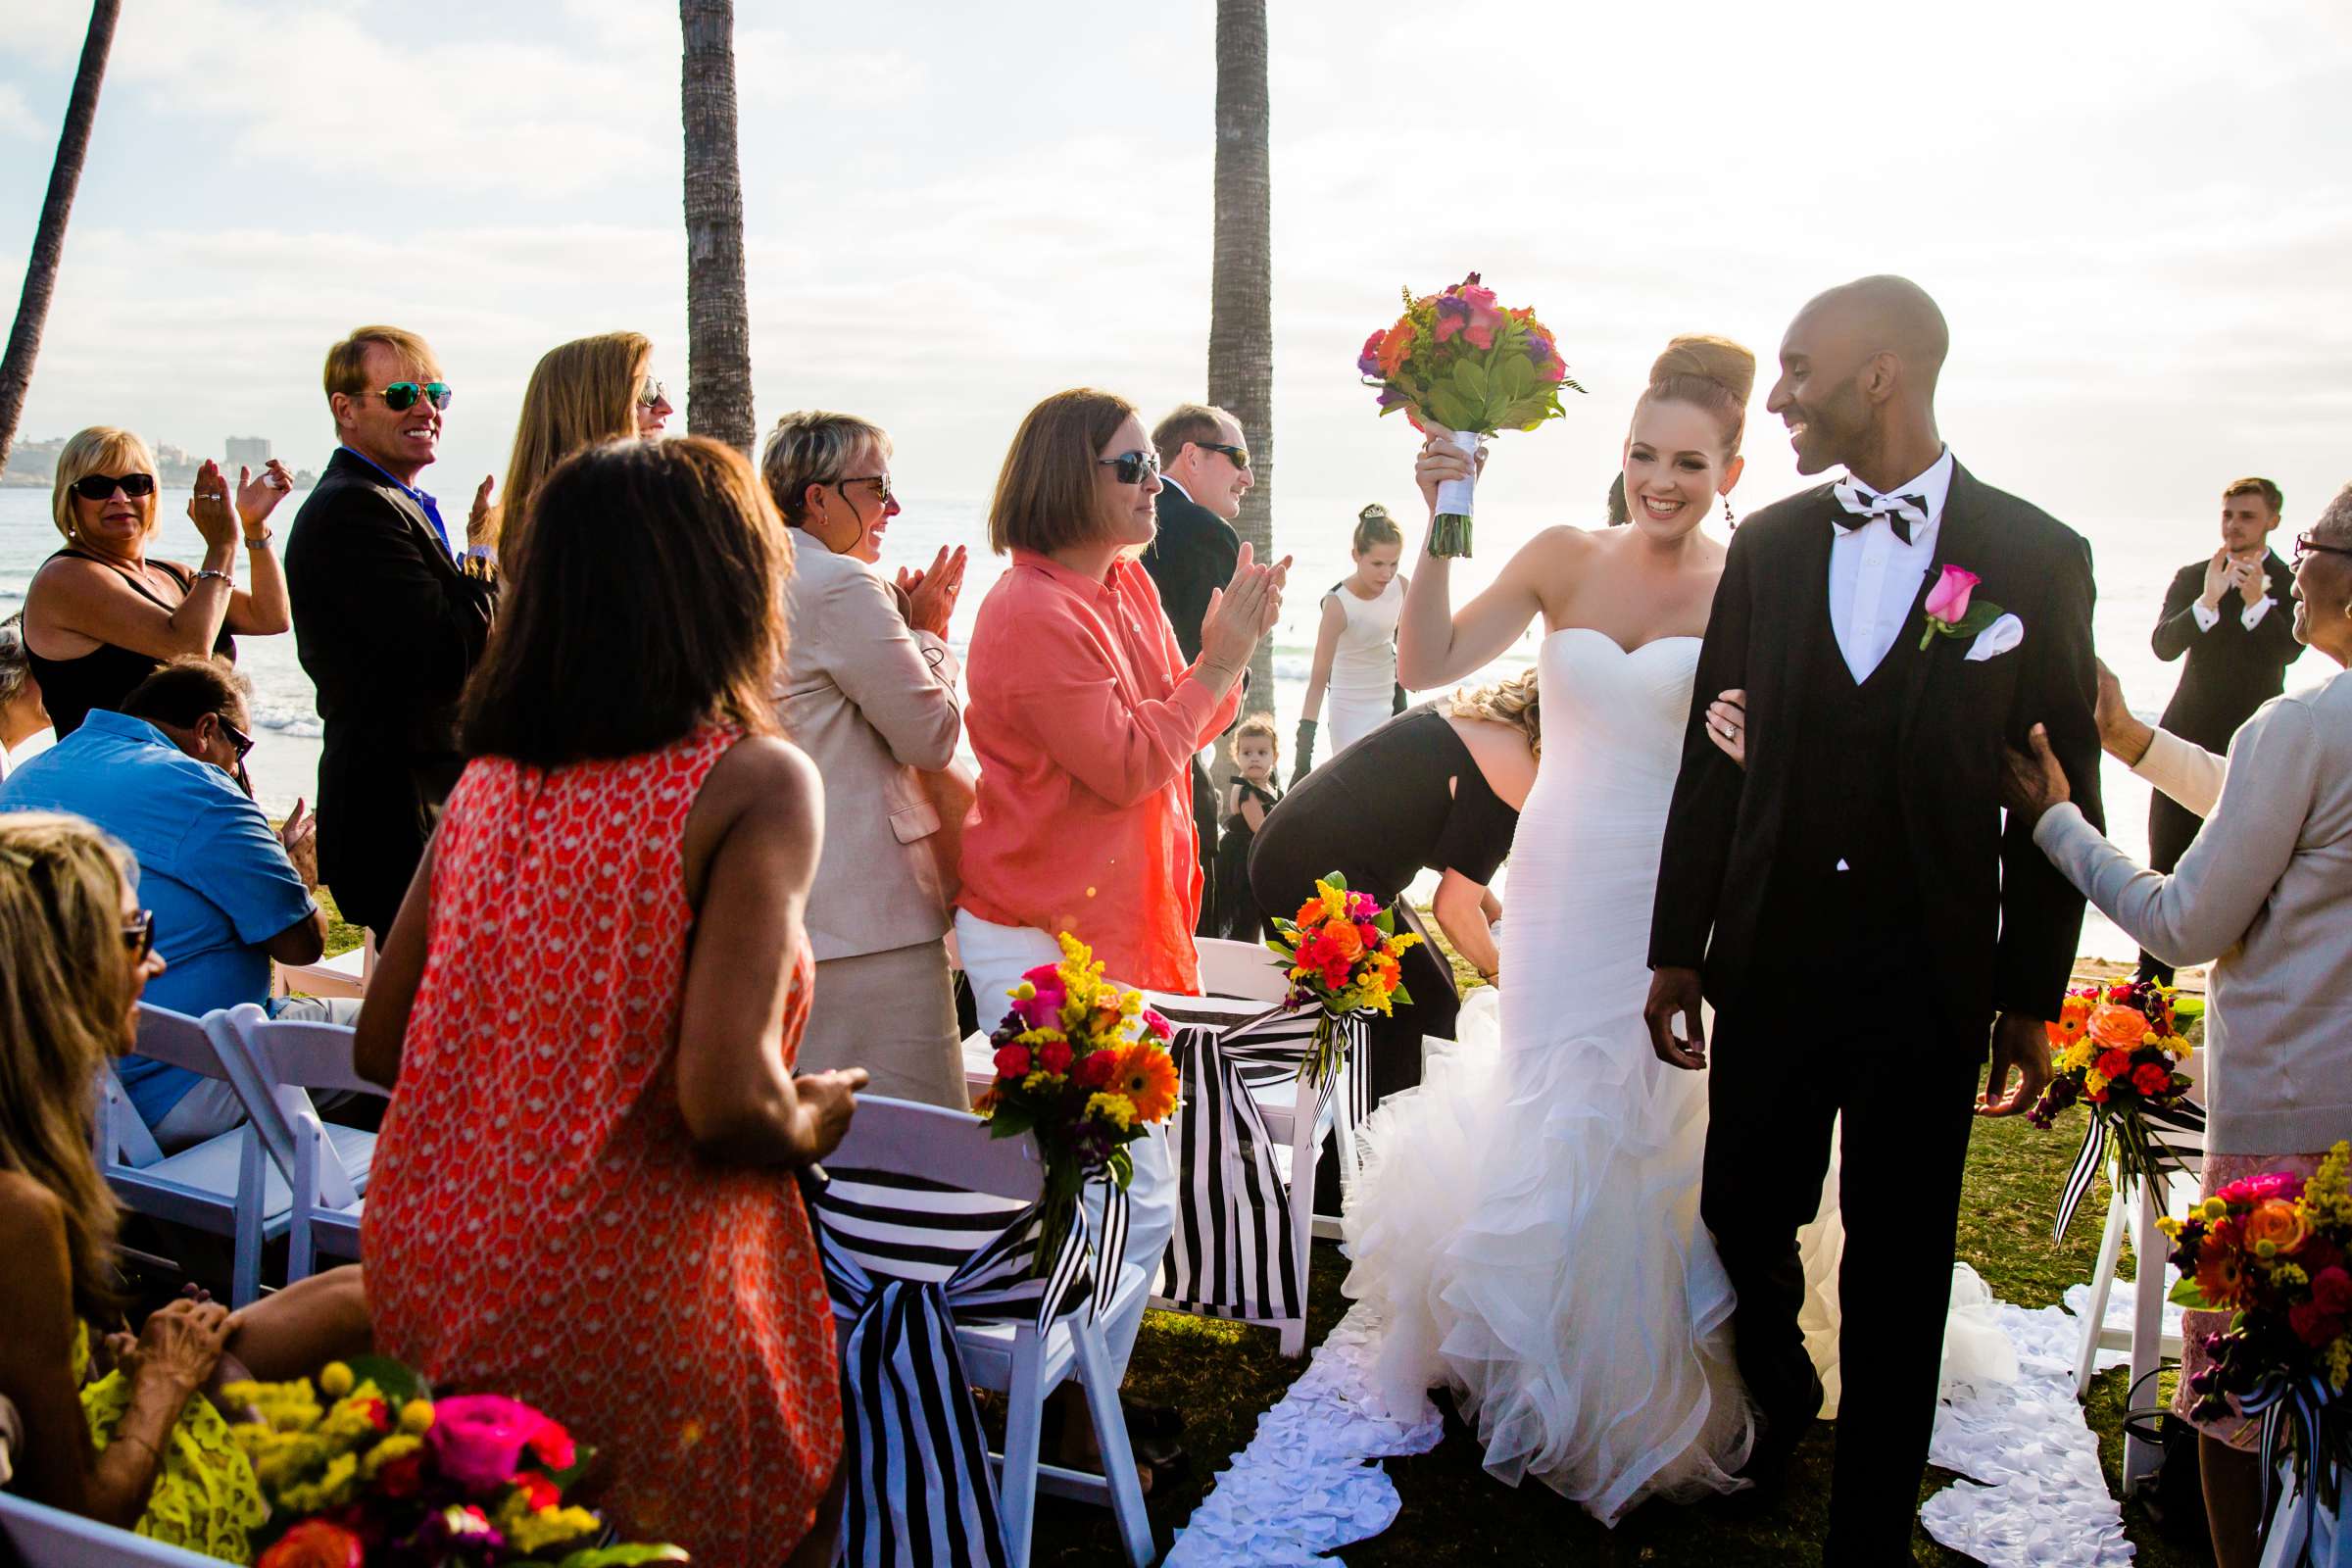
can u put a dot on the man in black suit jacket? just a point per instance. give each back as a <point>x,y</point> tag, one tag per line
<point>2233,617</point>
<point>1861,850</point>
<point>1203,470</point>
<point>388,621</point>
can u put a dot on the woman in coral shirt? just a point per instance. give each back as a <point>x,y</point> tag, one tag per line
<point>1085,717</point>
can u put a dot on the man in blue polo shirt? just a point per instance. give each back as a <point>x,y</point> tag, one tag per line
<point>228,893</point>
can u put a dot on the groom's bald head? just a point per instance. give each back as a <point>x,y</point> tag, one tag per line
<point>1858,358</point>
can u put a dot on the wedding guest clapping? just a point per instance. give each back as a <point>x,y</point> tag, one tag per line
<point>869,690</point>
<point>2230,616</point>
<point>592,389</point>
<point>1085,715</point>
<point>2264,892</point>
<point>590,1005</point>
<point>389,617</point>
<point>116,1424</point>
<point>100,616</point>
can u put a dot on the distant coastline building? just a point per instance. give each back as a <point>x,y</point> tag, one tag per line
<point>247,451</point>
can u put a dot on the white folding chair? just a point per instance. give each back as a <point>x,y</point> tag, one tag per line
<point>1242,969</point>
<point>343,976</point>
<point>224,1185</point>
<point>274,1064</point>
<point>915,1191</point>
<point>37,1536</point>
<point>2147,1342</point>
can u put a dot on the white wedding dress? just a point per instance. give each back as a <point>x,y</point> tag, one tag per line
<point>1527,1221</point>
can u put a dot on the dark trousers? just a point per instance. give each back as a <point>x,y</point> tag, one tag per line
<point>1784,1066</point>
<point>2170,827</point>
<point>1204,842</point>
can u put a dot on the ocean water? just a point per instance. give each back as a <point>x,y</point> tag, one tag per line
<point>2135,561</point>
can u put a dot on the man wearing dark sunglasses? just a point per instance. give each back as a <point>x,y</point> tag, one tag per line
<point>389,617</point>
<point>1203,470</point>
<point>224,892</point>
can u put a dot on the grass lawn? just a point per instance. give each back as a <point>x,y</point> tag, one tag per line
<point>1223,1376</point>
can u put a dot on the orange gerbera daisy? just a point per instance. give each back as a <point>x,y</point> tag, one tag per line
<point>1147,1076</point>
<point>1310,912</point>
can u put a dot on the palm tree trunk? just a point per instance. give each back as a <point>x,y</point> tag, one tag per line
<point>1240,292</point>
<point>49,239</point>
<point>718,322</point>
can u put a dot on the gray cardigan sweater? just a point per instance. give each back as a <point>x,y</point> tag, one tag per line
<point>2265,893</point>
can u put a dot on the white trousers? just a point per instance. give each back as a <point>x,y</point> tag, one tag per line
<point>995,958</point>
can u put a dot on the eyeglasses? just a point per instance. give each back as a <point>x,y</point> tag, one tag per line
<point>401,395</point>
<point>1238,454</point>
<point>1130,468</point>
<point>138,936</point>
<point>880,482</point>
<point>2305,545</point>
<point>236,738</point>
<point>652,393</point>
<point>99,486</point>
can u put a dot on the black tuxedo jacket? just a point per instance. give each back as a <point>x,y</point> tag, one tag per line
<point>1192,554</point>
<point>388,628</point>
<point>2001,922</point>
<point>2231,671</point>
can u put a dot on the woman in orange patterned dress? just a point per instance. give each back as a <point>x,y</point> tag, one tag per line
<point>589,1008</point>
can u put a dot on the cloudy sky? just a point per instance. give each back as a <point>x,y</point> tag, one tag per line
<point>2136,217</point>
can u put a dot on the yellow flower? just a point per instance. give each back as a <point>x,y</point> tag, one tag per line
<point>2095,1081</point>
<point>417,1416</point>
<point>1335,903</point>
<point>2079,1055</point>
<point>1117,1109</point>
<point>1041,1079</point>
<point>333,1487</point>
<point>534,1533</point>
<point>334,1379</point>
<point>2339,1362</point>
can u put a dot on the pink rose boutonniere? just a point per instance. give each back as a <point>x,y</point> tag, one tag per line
<point>1951,608</point>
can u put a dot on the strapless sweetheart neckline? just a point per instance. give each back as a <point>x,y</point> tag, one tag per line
<point>1678,637</point>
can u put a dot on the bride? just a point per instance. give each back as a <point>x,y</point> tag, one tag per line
<point>1528,1220</point>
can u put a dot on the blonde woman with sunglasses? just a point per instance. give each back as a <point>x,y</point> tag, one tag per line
<point>100,616</point>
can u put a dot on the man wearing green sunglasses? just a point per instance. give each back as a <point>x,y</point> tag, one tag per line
<point>389,618</point>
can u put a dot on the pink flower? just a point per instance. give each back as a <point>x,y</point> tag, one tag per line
<point>1449,327</point>
<point>1484,320</point>
<point>1947,602</point>
<point>1362,905</point>
<point>477,1439</point>
<point>1043,1010</point>
<point>1482,298</point>
<point>1158,1024</point>
<point>1368,362</point>
<point>1551,369</point>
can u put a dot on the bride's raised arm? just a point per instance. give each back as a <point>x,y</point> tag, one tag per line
<point>1435,645</point>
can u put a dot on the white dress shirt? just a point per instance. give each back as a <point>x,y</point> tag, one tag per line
<point>2249,617</point>
<point>1875,576</point>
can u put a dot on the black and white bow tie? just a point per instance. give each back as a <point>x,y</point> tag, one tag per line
<point>1902,513</point>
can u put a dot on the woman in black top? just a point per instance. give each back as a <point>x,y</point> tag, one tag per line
<point>100,616</point>
<point>1436,787</point>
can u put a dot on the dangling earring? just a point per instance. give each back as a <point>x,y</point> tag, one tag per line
<point>1726,512</point>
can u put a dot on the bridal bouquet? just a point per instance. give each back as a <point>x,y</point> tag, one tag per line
<point>1083,1067</point>
<point>362,1467</point>
<point>1339,954</point>
<point>2276,1251</point>
<point>1470,367</point>
<point>2116,1049</point>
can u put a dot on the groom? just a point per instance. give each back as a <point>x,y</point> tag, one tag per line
<point>1851,903</point>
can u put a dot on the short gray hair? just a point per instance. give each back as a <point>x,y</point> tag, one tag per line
<point>2337,521</point>
<point>16,661</point>
<point>813,446</point>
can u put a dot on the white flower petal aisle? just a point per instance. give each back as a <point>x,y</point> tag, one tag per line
<point>1309,1480</point>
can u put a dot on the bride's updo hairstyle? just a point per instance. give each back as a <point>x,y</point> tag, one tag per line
<point>1710,373</point>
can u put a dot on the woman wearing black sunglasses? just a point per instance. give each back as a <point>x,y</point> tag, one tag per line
<point>100,616</point>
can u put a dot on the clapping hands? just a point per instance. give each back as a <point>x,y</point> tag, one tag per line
<point>932,592</point>
<point>258,495</point>
<point>1242,611</point>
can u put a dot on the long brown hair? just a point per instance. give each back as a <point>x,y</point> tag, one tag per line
<point>645,599</point>
<point>65,990</point>
<point>580,393</point>
<point>1047,495</point>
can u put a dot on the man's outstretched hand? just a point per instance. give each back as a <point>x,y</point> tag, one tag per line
<point>2022,1045</point>
<point>1674,994</point>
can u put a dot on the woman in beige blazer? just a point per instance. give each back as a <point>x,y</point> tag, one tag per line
<point>869,693</point>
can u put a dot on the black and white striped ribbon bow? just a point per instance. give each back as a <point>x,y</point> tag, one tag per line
<point>1902,513</point>
<point>1235,1252</point>
<point>2188,1116</point>
<point>905,1259</point>
<point>2300,1403</point>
